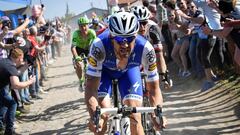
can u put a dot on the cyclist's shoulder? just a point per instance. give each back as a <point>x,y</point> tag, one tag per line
<point>140,40</point>
<point>76,33</point>
<point>104,35</point>
<point>91,32</point>
<point>153,27</point>
<point>152,23</point>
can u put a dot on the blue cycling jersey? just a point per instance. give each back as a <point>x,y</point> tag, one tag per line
<point>102,62</point>
<point>102,55</point>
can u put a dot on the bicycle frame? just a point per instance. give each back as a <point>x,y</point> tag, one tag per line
<point>146,118</point>
<point>120,121</point>
<point>122,124</point>
<point>83,61</point>
<point>116,119</point>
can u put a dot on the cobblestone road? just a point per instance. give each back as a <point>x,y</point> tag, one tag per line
<point>189,112</point>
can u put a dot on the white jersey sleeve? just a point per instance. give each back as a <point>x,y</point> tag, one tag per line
<point>154,33</point>
<point>95,58</point>
<point>149,62</point>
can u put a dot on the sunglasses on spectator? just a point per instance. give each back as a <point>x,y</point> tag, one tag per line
<point>180,4</point>
<point>123,40</point>
<point>191,7</point>
<point>143,23</point>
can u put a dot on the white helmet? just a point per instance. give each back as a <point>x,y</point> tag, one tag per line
<point>123,24</point>
<point>141,12</point>
<point>106,20</point>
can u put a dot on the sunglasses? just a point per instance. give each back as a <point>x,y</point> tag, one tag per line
<point>191,7</point>
<point>85,24</point>
<point>180,4</point>
<point>143,23</point>
<point>123,40</point>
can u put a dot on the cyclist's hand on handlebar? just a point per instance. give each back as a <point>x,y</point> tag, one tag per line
<point>92,126</point>
<point>167,85</point>
<point>159,125</point>
<point>78,63</point>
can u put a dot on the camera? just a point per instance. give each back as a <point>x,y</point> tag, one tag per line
<point>11,40</point>
<point>6,23</point>
<point>24,16</point>
<point>43,29</point>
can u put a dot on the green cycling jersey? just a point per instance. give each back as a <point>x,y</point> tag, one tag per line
<point>81,42</point>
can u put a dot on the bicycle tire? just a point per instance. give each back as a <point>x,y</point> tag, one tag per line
<point>146,120</point>
<point>147,123</point>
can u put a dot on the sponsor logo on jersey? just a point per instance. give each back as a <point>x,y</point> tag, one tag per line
<point>152,67</point>
<point>132,63</point>
<point>151,56</point>
<point>103,94</point>
<point>96,52</point>
<point>92,61</point>
<point>133,96</point>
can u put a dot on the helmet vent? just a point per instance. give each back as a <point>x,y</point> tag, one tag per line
<point>131,21</point>
<point>124,23</point>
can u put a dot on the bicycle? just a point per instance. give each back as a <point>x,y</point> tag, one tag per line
<point>146,118</point>
<point>119,121</point>
<point>83,60</point>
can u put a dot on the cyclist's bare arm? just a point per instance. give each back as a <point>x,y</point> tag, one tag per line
<point>155,93</point>
<point>91,100</point>
<point>152,80</point>
<point>74,51</point>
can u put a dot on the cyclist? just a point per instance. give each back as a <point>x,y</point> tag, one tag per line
<point>81,41</point>
<point>117,54</point>
<point>97,26</point>
<point>151,31</point>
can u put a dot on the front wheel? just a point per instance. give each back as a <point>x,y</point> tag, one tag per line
<point>146,120</point>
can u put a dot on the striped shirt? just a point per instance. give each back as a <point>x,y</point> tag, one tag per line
<point>4,52</point>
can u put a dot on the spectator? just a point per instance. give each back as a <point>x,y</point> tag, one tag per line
<point>25,47</point>
<point>179,26</point>
<point>212,19</point>
<point>58,38</point>
<point>9,76</point>
<point>32,57</point>
<point>231,13</point>
<point>196,18</point>
<point>37,16</point>
<point>163,23</point>
<point>6,35</point>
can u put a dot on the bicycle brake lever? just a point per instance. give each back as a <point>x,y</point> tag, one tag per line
<point>96,118</point>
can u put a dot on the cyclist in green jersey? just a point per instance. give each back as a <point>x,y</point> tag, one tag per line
<point>81,41</point>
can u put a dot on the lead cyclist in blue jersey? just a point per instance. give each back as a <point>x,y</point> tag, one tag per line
<point>118,53</point>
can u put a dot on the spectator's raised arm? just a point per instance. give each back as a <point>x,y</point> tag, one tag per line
<point>21,27</point>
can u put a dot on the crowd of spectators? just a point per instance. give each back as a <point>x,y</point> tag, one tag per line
<point>41,43</point>
<point>200,35</point>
